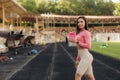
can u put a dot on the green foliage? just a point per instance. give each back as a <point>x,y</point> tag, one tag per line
<point>70,7</point>
<point>42,6</point>
<point>30,5</point>
<point>117,9</point>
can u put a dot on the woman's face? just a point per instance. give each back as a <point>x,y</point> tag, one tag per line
<point>81,23</point>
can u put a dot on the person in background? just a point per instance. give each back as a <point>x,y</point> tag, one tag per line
<point>84,58</point>
<point>66,39</point>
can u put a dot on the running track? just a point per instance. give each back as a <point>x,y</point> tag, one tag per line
<point>56,62</point>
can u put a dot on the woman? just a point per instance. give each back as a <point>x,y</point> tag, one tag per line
<point>84,59</point>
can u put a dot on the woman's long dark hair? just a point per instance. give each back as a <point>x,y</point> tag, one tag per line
<point>86,27</point>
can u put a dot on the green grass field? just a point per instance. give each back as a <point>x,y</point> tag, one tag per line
<point>112,50</point>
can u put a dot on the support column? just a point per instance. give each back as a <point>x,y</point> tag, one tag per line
<point>54,23</point>
<point>17,23</point>
<point>47,23</point>
<point>103,26</point>
<point>11,21</point>
<point>20,24</point>
<point>43,22</point>
<point>50,22</point>
<point>36,24</point>
<point>68,25</point>
<point>3,18</point>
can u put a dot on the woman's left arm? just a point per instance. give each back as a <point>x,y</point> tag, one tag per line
<point>87,42</point>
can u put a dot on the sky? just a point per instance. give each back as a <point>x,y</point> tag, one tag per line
<point>116,0</point>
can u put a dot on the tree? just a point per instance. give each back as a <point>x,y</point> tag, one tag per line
<point>117,9</point>
<point>70,7</point>
<point>30,5</point>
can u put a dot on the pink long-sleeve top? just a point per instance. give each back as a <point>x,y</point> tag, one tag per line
<point>84,39</point>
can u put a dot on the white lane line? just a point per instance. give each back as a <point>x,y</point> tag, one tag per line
<point>19,68</point>
<point>51,66</point>
<point>98,61</point>
<point>109,67</point>
<point>68,54</point>
<point>53,62</point>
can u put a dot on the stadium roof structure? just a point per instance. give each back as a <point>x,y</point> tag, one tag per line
<point>10,9</point>
<point>90,19</point>
<point>31,17</point>
<point>11,6</point>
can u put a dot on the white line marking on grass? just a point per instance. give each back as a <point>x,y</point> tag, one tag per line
<point>68,53</point>
<point>100,62</point>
